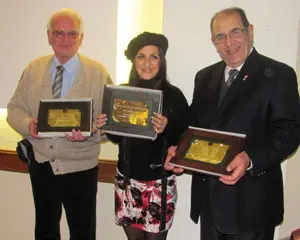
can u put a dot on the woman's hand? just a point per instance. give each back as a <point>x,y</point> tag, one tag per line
<point>159,122</point>
<point>101,120</point>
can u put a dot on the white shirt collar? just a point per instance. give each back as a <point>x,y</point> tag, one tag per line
<point>227,68</point>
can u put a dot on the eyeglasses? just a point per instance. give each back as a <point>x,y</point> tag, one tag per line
<point>235,33</point>
<point>62,34</point>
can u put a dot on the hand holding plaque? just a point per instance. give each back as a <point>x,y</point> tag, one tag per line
<point>207,151</point>
<point>60,116</point>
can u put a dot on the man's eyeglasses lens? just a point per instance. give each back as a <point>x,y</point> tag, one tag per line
<point>60,34</point>
<point>234,34</point>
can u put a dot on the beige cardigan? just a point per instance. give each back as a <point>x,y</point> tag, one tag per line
<point>35,84</point>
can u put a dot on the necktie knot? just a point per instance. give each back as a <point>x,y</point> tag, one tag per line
<point>232,74</point>
<point>59,68</point>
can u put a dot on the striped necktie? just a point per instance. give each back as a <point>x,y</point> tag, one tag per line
<point>57,84</point>
<point>226,85</point>
<point>232,74</point>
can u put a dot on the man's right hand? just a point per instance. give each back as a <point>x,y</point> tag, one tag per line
<point>168,167</point>
<point>33,128</point>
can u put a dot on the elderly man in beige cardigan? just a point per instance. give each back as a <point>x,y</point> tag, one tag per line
<point>64,172</point>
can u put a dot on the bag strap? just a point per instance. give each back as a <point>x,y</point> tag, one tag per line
<point>164,182</point>
<point>24,150</point>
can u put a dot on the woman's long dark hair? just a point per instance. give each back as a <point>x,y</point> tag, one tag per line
<point>160,80</point>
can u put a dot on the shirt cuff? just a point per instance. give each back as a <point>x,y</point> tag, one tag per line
<point>251,166</point>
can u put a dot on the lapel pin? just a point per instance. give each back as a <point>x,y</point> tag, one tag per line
<point>245,77</point>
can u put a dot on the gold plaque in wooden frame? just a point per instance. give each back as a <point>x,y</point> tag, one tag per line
<point>207,151</point>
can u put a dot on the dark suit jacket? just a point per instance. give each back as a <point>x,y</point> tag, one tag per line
<point>263,103</point>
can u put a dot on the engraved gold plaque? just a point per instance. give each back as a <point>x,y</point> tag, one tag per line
<point>64,117</point>
<point>130,112</point>
<point>206,151</point>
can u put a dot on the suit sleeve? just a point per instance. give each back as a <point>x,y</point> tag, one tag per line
<point>192,117</point>
<point>199,112</point>
<point>282,125</point>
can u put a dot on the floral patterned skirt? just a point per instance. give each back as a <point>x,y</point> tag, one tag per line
<point>138,203</point>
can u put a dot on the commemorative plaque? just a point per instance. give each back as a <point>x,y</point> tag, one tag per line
<point>207,151</point>
<point>60,116</point>
<point>129,110</point>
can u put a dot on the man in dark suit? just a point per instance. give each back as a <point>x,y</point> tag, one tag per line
<point>260,100</point>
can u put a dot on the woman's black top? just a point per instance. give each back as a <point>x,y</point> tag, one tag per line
<point>145,155</point>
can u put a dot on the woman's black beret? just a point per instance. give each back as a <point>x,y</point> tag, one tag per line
<point>145,39</point>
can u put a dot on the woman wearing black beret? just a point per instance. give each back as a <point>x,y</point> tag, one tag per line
<point>145,194</point>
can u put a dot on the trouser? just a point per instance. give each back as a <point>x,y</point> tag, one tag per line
<point>76,192</point>
<point>214,234</point>
<point>208,231</point>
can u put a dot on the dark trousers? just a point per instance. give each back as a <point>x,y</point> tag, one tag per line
<point>75,191</point>
<point>210,232</point>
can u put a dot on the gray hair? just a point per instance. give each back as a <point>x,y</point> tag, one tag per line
<point>66,12</point>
